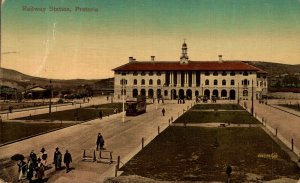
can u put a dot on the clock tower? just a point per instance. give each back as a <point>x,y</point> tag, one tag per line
<point>184,57</point>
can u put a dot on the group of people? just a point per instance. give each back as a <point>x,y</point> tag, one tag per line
<point>38,164</point>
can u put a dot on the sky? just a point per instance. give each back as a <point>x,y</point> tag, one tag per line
<point>88,45</point>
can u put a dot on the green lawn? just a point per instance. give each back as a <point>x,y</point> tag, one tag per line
<point>217,106</point>
<point>83,114</point>
<point>23,105</point>
<point>194,154</point>
<point>11,131</point>
<point>235,117</point>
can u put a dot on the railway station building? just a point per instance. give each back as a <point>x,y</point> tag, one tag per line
<point>224,79</point>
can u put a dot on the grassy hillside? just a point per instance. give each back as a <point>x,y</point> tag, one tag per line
<point>276,68</point>
<point>15,79</point>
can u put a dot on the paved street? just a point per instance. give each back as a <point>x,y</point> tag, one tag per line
<point>288,125</point>
<point>124,139</point>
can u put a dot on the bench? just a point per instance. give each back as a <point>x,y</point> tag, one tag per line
<point>101,152</point>
<point>89,157</point>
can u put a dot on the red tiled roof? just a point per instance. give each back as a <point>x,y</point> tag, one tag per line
<point>190,66</point>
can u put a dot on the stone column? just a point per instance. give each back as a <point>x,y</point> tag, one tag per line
<point>185,79</point>
<point>178,79</point>
<point>193,79</point>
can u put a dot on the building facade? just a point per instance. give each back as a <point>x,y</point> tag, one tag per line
<point>229,80</point>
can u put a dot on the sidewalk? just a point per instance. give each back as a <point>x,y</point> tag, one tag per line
<point>124,139</point>
<point>288,125</point>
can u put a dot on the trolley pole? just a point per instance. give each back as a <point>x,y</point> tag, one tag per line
<point>50,96</point>
<point>123,101</point>
<point>252,100</point>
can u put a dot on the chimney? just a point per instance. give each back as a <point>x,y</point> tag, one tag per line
<point>220,58</point>
<point>131,59</point>
<point>152,58</point>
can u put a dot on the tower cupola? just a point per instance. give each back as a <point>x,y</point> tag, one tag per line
<point>184,57</point>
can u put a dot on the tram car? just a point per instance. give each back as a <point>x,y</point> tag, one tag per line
<point>135,106</point>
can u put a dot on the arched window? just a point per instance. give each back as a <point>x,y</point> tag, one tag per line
<point>223,82</point>
<point>232,82</point>
<point>143,73</point>
<point>245,93</point>
<point>158,73</point>
<point>224,73</point>
<point>135,82</point>
<point>135,73</point>
<point>143,82</point>
<point>158,82</point>
<point>245,82</point>
<point>232,73</point>
<point>207,82</point>
<point>166,93</point>
<point>150,82</point>
<point>215,82</point>
<point>123,82</point>
<point>215,73</point>
<point>206,73</point>
<point>151,73</point>
<point>245,73</point>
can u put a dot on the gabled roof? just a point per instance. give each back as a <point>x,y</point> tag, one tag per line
<point>190,66</point>
<point>35,89</point>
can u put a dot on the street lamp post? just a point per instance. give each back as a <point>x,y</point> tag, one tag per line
<point>50,97</point>
<point>252,99</point>
<point>123,100</point>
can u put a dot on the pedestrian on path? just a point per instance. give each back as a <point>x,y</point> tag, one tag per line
<point>100,141</point>
<point>57,159</point>
<point>33,158</point>
<point>30,169</point>
<point>100,114</point>
<point>10,108</point>
<point>44,157</point>
<point>163,111</point>
<point>67,160</point>
<point>22,169</point>
<point>40,170</point>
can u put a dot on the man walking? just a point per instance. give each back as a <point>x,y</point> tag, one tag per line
<point>163,111</point>
<point>100,114</point>
<point>67,160</point>
<point>57,159</point>
<point>100,141</point>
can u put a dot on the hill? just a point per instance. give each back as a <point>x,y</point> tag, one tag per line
<point>15,79</point>
<point>274,69</point>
